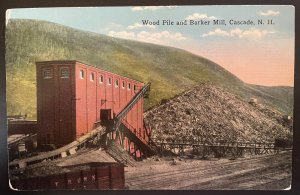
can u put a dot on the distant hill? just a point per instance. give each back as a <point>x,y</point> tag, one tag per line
<point>170,70</point>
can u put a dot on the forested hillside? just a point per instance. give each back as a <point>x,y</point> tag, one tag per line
<point>170,70</point>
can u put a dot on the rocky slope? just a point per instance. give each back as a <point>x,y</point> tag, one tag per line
<point>211,113</point>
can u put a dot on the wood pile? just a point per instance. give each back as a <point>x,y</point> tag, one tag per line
<point>210,113</point>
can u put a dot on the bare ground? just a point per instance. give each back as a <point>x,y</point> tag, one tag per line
<point>264,172</point>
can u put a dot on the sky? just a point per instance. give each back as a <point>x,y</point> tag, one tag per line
<point>258,53</point>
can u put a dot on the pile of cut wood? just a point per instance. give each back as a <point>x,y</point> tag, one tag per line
<point>209,112</point>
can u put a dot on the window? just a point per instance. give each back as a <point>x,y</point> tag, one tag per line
<point>65,73</point>
<point>81,74</point>
<point>117,83</point>
<point>101,79</point>
<point>129,86</point>
<point>92,78</point>
<point>123,84</point>
<point>109,81</point>
<point>134,87</point>
<point>47,73</point>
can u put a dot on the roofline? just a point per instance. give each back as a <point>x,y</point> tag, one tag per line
<point>76,61</point>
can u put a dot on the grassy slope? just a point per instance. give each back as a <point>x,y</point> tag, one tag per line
<point>170,70</point>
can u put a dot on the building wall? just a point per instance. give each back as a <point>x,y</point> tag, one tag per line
<point>70,107</point>
<point>55,121</point>
<point>106,94</point>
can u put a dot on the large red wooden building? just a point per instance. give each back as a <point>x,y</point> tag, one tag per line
<point>73,98</point>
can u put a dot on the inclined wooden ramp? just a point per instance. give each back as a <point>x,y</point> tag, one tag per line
<point>119,154</point>
<point>60,152</point>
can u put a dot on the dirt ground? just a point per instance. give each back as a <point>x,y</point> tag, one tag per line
<point>263,172</point>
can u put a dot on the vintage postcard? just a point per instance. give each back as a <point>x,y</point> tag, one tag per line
<point>150,97</point>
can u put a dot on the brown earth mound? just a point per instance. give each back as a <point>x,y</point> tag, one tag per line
<point>210,113</point>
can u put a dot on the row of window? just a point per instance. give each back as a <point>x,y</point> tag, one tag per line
<point>109,80</point>
<point>65,73</point>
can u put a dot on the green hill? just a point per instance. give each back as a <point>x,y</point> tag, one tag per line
<point>170,70</point>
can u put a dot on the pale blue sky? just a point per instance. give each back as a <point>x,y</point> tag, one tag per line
<point>243,50</point>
